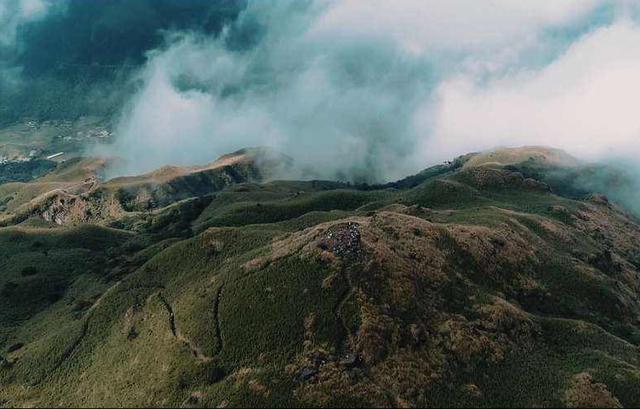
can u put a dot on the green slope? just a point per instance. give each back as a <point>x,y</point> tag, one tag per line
<point>463,286</point>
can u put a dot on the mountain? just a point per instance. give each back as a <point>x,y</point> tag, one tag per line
<point>74,192</point>
<point>496,279</point>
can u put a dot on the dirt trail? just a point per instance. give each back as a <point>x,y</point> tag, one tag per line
<point>172,317</point>
<point>338,309</point>
<point>195,350</point>
<point>216,313</point>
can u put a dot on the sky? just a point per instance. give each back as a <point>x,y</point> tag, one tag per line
<point>373,90</point>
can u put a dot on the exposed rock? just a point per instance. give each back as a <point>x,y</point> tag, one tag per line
<point>343,240</point>
<point>349,360</point>
<point>307,374</point>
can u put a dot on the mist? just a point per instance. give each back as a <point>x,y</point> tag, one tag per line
<point>365,91</point>
<point>584,102</point>
<point>275,78</point>
<point>16,13</point>
<point>64,59</point>
<point>373,91</point>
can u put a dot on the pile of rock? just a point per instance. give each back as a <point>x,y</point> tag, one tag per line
<point>343,240</point>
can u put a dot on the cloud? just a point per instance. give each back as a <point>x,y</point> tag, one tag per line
<point>584,102</point>
<point>373,90</point>
<point>15,13</point>
<point>186,123</point>
<point>419,26</point>
<point>294,91</point>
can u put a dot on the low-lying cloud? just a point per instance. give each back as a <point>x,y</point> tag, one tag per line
<point>374,90</point>
<point>15,13</point>
<point>419,26</point>
<point>341,107</point>
<point>584,102</point>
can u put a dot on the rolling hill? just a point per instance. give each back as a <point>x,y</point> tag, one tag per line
<point>497,279</point>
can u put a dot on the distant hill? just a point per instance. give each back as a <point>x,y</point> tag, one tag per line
<point>497,279</point>
<point>531,155</point>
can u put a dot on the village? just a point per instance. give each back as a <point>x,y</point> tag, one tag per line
<point>51,140</point>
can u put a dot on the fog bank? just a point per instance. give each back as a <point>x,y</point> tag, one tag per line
<point>374,90</point>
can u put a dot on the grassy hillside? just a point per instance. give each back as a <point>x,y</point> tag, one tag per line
<point>466,285</point>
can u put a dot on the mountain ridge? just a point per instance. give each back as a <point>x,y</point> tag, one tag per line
<point>454,287</point>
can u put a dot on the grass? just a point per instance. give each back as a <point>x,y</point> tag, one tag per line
<point>24,171</point>
<point>39,265</point>
<point>273,211</point>
<point>229,298</point>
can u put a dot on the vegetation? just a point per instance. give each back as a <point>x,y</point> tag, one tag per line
<point>474,286</point>
<point>24,171</point>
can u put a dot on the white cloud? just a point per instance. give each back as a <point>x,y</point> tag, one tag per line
<point>380,89</point>
<point>452,25</point>
<point>341,108</point>
<point>585,102</point>
<point>166,125</point>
